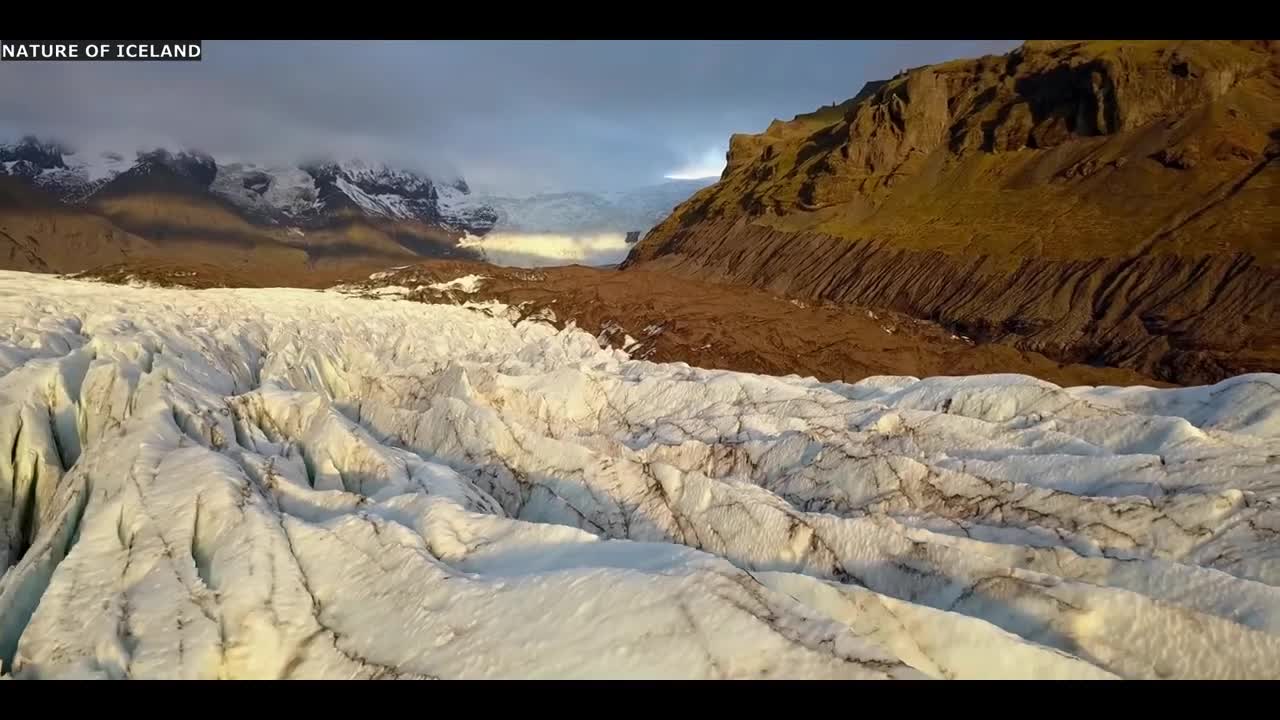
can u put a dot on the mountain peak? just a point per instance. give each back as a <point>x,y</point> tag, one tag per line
<point>193,164</point>
<point>33,152</point>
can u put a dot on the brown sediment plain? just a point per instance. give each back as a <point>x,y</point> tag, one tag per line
<point>668,318</point>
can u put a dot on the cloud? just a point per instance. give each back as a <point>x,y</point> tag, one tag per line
<point>513,117</point>
<point>529,250</point>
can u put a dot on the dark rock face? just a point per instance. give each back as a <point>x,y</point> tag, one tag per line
<point>257,182</point>
<point>388,183</point>
<point>1190,321</point>
<point>195,166</point>
<point>24,169</point>
<point>33,155</point>
<point>477,220</point>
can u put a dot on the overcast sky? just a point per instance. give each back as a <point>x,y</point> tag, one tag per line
<point>513,117</point>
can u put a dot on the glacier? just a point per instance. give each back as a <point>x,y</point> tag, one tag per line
<point>284,483</point>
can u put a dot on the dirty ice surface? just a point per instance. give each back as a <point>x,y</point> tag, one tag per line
<point>299,484</point>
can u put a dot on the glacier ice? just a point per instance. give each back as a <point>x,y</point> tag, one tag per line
<point>289,483</point>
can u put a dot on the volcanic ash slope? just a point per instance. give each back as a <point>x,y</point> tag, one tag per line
<point>290,483</point>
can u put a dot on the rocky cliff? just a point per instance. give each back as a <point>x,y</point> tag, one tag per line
<point>1114,203</point>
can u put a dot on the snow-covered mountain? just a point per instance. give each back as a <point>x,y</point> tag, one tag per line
<point>574,227</point>
<point>70,175</point>
<point>577,213</point>
<point>547,229</point>
<point>274,194</point>
<point>652,204</point>
<point>308,193</point>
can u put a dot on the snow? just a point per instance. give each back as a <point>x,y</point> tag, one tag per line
<point>382,204</point>
<point>97,165</point>
<point>463,210</point>
<point>263,483</point>
<point>290,191</point>
<point>84,173</point>
<point>467,284</point>
<point>451,199</point>
<point>383,274</point>
<point>579,214</point>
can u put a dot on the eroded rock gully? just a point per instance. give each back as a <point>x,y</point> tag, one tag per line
<point>1185,320</point>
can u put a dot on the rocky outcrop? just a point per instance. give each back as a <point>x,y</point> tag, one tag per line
<point>1103,202</point>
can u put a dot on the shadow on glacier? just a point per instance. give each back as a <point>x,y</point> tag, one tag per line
<point>642,538</point>
<point>995,600</point>
<point>607,553</point>
<point>629,537</point>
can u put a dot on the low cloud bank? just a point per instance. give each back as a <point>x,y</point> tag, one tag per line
<point>522,249</point>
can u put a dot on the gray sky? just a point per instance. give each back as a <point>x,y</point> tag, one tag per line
<point>511,116</point>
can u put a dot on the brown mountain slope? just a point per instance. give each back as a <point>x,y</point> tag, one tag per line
<point>39,234</point>
<point>1100,202</point>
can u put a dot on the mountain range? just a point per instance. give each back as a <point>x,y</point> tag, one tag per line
<point>64,210</point>
<point>302,195</point>
<point>324,217</point>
